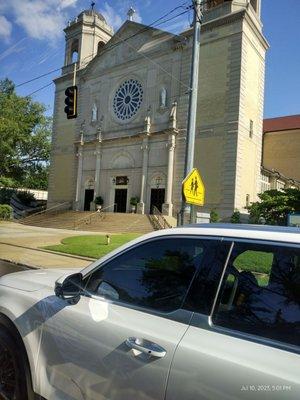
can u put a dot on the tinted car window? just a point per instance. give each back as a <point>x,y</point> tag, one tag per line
<point>260,294</point>
<point>155,275</point>
<point>204,288</point>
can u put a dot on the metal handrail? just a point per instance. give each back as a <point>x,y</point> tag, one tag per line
<point>106,208</point>
<point>46,211</point>
<point>88,219</point>
<point>161,219</point>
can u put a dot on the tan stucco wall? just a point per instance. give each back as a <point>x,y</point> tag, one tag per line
<point>281,152</point>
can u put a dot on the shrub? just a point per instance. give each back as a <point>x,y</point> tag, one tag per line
<point>214,216</point>
<point>99,201</point>
<point>25,197</point>
<point>236,217</point>
<point>134,201</point>
<point>5,195</point>
<point>5,211</point>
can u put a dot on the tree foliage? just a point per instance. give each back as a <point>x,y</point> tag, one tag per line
<point>214,216</point>
<point>236,217</point>
<point>25,139</point>
<point>274,206</point>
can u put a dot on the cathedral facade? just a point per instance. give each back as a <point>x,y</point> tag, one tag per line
<point>133,93</point>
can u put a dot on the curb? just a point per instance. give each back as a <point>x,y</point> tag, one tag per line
<point>48,251</point>
<point>18,264</point>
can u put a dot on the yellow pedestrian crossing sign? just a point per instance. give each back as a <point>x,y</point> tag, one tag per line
<point>193,189</point>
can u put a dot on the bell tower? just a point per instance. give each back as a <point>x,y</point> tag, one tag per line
<point>230,104</point>
<point>85,36</point>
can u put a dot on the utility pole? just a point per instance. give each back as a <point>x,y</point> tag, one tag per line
<point>192,113</point>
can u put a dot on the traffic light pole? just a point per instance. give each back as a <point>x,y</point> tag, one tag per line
<point>192,113</point>
<point>74,75</point>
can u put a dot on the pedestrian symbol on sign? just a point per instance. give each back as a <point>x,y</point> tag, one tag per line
<point>193,188</point>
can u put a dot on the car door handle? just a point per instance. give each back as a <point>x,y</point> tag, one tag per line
<point>147,347</point>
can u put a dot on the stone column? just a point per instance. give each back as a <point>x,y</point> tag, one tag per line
<point>168,206</point>
<point>79,177</point>
<point>98,154</point>
<point>145,149</point>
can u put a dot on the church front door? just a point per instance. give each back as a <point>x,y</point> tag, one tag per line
<point>88,198</point>
<point>121,200</point>
<point>157,199</point>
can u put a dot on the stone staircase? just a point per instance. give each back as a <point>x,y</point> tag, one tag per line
<point>91,221</point>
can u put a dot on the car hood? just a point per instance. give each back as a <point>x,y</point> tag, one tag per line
<point>33,280</point>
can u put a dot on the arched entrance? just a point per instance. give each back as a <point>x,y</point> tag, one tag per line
<point>158,192</point>
<point>89,192</point>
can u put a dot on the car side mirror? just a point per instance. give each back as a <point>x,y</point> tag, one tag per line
<point>70,288</point>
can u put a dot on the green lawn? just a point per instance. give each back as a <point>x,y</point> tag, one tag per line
<point>93,246</point>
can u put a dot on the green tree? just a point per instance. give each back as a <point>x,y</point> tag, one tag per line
<point>274,206</point>
<point>25,139</point>
<point>214,216</point>
<point>236,217</point>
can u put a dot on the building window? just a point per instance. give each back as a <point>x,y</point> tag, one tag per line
<point>128,99</point>
<point>247,200</point>
<point>280,185</point>
<point>254,4</point>
<point>214,3</point>
<point>251,129</point>
<point>74,51</point>
<point>264,183</point>
<point>100,47</point>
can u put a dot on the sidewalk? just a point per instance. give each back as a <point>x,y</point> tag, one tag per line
<point>20,243</point>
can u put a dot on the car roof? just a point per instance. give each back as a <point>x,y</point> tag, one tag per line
<point>245,231</point>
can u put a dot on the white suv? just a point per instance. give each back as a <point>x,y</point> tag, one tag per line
<point>200,312</point>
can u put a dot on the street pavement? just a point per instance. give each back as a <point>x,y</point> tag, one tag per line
<point>20,244</point>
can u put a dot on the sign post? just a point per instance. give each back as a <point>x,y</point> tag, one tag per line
<point>193,190</point>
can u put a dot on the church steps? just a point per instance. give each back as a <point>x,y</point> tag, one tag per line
<point>91,221</point>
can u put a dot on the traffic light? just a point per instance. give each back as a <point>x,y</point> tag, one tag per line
<point>71,102</point>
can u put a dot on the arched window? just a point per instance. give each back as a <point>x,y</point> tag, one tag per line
<point>74,51</point>
<point>215,3</point>
<point>100,47</point>
<point>254,4</point>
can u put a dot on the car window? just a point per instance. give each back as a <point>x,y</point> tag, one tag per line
<point>204,289</point>
<point>260,294</point>
<point>154,275</point>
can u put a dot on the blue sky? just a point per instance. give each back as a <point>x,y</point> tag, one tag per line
<point>31,46</point>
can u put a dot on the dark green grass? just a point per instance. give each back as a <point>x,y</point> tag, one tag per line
<point>93,246</point>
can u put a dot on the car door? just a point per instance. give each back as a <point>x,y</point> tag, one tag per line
<point>119,340</point>
<point>247,345</point>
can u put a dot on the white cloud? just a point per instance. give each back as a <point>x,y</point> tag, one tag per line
<point>111,16</point>
<point>5,27</point>
<point>67,3</point>
<point>42,19</point>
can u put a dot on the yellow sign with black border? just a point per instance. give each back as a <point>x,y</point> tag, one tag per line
<point>193,190</point>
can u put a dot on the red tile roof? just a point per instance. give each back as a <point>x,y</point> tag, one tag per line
<point>282,123</point>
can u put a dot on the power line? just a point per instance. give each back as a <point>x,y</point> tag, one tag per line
<point>38,90</point>
<point>115,44</point>
<point>38,77</point>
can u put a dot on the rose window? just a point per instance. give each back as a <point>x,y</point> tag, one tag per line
<point>128,99</point>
